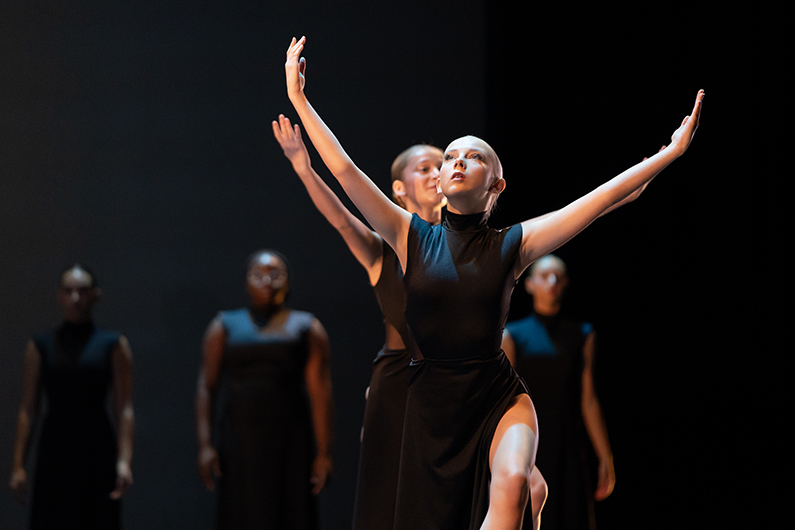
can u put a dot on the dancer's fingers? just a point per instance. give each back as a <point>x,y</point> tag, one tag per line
<point>284,122</point>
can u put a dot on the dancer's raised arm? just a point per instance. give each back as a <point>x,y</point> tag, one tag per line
<point>541,237</point>
<point>387,218</point>
<point>364,244</point>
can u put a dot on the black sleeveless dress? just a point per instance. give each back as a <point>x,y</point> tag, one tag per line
<point>76,464</point>
<point>379,456</point>
<point>459,279</point>
<point>549,355</point>
<point>266,440</point>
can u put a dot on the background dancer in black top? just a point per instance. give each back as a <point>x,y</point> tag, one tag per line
<point>471,471</point>
<point>83,466</point>
<point>555,356</point>
<point>274,438</point>
<point>414,174</point>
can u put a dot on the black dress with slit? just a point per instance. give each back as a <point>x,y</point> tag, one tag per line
<point>266,441</point>
<point>459,279</point>
<point>549,355</point>
<point>379,455</point>
<point>76,463</point>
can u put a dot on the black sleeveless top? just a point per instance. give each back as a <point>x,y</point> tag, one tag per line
<point>382,428</point>
<point>266,441</point>
<point>391,293</point>
<point>459,280</point>
<point>76,369</point>
<point>549,355</point>
<point>274,350</point>
<point>76,463</point>
<point>458,284</point>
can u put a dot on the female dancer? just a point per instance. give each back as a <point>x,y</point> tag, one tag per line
<point>469,434</point>
<point>555,356</point>
<point>274,451</point>
<point>414,173</point>
<point>82,469</point>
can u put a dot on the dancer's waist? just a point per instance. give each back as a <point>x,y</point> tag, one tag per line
<point>469,360</point>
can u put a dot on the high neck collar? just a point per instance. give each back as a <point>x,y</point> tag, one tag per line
<point>464,222</point>
<point>550,322</point>
<point>546,318</point>
<point>72,337</point>
<point>78,327</point>
<point>262,315</point>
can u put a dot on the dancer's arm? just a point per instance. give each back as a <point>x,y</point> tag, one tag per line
<point>319,389</point>
<point>630,198</point>
<point>212,353</point>
<point>26,420</point>
<point>365,245</point>
<point>635,194</point>
<point>595,424</point>
<point>542,237</point>
<point>387,218</point>
<point>125,417</point>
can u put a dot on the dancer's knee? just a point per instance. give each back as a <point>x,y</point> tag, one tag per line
<point>538,492</point>
<point>511,483</point>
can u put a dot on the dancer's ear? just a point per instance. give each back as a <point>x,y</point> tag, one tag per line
<point>498,186</point>
<point>398,188</point>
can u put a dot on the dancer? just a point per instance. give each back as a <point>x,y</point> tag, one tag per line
<point>274,438</point>
<point>83,467</point>
<point>414,173</point>
<point>555,355</point>
<point>469,434</point>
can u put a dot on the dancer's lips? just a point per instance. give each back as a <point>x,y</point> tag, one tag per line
<point>458,176</point>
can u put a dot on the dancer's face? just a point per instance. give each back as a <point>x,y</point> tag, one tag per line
<point>467,175</point>
<point>266,280</point>
<point>419,178</point>
<point>77,295</point>
<point>548,280</point>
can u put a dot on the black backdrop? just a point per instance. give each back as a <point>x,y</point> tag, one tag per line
<point>137,139</point>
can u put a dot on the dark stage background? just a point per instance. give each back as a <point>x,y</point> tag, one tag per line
<point>137,138</point>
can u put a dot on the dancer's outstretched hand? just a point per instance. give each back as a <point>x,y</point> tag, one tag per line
<point>124,480</point>
<point>289,138</point>
<point>322,468</point>
<point>19,485</point>
<point>294,67</point>
<point>607,480</point>
<point>209,467</point>
<point>682,137</point>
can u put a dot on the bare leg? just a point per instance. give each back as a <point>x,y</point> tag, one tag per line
<point>512,459</point>
<point>538,496</point>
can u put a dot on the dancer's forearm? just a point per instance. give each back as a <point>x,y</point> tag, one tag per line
<point>365,245</point>
<point>123,406</point>
<point>28,408</point>
<point>377,208</point>
<point>388,219</point>
<point>542,237</point>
